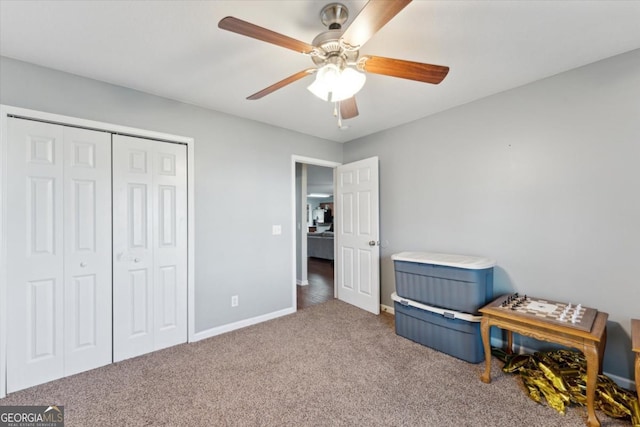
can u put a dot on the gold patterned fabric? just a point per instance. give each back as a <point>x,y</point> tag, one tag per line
<point>560,378</point>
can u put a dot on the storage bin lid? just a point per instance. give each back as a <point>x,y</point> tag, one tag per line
<point>449,260</point>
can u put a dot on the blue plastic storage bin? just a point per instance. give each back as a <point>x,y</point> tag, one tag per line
<point>457,282</point>
<point>453,333</point>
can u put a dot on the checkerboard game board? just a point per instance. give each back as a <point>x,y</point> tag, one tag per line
<point>565,314</point>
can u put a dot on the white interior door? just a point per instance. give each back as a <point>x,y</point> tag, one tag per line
<point>58,262</point>
<point>132,250</point>
<point>149,246</point>
<point>170,244</point>
<point>87,249</point>
<point>35,264</point>
<point>358,246</point>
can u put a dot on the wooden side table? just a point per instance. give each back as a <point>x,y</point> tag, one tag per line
<point>635,345</point>
<point>591,343</point>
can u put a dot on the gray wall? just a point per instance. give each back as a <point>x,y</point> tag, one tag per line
<point>544,178</point>
<point>241,165</point>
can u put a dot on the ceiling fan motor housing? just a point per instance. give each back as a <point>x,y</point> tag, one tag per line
<point>334,15</point>
<point>329,44</point>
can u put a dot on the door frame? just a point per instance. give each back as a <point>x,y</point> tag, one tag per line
<point>309,161</point>
<point>7,111</point>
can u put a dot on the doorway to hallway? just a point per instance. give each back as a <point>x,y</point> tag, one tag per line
<point>314,244</point>
<point>354,230</point>
<point>321,286</point>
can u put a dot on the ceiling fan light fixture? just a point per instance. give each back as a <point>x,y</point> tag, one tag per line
<point>352,81</point>
<point>333,84</point>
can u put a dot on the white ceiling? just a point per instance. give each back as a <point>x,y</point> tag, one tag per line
<point>174,49</point>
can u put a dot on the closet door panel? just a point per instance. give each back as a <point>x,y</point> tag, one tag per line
<point>34,253</point>
<point>150,245</point>
<point>87,170</point>
<point>170,243</point>
<point>132,250</point>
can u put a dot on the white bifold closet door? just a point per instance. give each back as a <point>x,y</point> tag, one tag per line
<point>149,245</point>
<point>58,251</point>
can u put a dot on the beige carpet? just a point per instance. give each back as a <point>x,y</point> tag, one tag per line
<point>328,365</point>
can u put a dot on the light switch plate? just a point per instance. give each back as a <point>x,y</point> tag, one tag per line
<point>276,230</point>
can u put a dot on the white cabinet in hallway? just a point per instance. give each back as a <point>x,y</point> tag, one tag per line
<point>149,245</point>
<point>58,251</point>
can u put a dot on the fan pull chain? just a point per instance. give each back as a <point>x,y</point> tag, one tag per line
<point>337,113</point>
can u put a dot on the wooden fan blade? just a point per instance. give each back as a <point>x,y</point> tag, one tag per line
<point>248,29</point>
<point>427,73</point>
<point>348,108</point>
<point>371,18</point>
<point>282,83</point>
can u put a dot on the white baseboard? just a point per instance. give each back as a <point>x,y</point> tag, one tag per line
<point>387,309</point>
<point>240,324</point>
<point>302,282</point>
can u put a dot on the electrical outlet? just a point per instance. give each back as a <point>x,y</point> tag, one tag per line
<point>234,301</point>
<point>276,230</point>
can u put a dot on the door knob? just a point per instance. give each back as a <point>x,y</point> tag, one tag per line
<point>83,264</point>
<point>372,243</point>
<point>136,260</point>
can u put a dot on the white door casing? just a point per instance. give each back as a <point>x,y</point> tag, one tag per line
<point>149,245</point>
<point>58,324</point>
<point>358,246</point>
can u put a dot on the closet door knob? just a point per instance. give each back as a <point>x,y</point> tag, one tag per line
<point>83,264</point>
<point>136,260</point>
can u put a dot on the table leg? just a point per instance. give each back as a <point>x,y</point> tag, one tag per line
<point>593,367</point>
<point>485,327</point>
<point>509,342</point>
<point>601,346</point>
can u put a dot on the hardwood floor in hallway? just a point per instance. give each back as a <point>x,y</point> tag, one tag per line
<point>320,287</point>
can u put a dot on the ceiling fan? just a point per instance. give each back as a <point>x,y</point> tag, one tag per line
<point>336,54</point>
